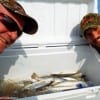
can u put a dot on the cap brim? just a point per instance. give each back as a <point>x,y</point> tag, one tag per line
<point>31,25</point>
<point>90,26</point>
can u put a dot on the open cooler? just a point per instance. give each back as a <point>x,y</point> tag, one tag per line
<point>57,47</point>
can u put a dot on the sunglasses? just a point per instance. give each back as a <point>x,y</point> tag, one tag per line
<point>10,23</point>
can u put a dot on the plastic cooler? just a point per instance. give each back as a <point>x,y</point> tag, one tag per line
<point>57,47</point>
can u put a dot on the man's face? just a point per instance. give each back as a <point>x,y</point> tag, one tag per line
<point>8,32</point>
<point>93,36</point>
<point>6,37</point>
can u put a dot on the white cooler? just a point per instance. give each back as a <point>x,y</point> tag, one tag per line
<point>57,47</point>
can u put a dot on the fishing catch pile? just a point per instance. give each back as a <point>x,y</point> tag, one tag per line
<point>43,84</point>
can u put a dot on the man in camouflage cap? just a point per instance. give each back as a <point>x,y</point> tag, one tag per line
<point>90,26</point>
<point>14,21</point>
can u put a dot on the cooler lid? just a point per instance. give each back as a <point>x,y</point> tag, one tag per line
<point>58,21</point>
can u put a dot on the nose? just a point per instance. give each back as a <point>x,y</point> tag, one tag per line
<point>12,36</point>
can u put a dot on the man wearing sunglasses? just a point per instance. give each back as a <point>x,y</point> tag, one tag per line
<point>90,26</point>
<point>14,21</point>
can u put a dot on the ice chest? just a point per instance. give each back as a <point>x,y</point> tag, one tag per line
<point>57,47</point>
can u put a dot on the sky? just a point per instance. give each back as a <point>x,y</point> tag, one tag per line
<point>98,6</point>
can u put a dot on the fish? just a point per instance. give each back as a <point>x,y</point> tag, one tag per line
<point>42,84</point>
<point>78,75</point>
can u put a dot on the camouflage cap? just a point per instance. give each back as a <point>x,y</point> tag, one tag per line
<point>30,24</point>
<point>91,20</point>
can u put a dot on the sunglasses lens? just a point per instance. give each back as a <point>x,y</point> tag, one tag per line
<point>10,23</point>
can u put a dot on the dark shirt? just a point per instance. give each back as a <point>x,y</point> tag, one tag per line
<point>97,48</point>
